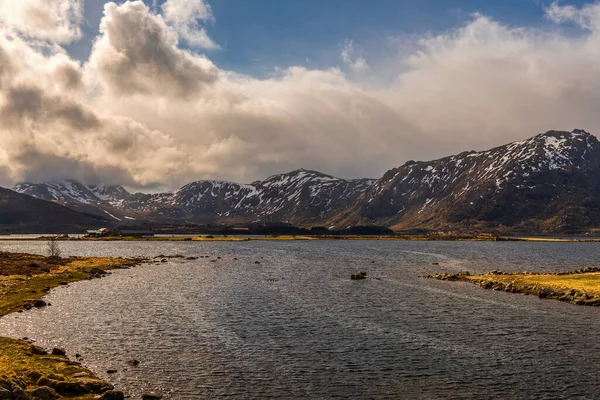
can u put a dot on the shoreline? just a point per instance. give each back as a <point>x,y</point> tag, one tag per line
<point>26,369</point>
<point>580,287</point>
<point>224,238</point>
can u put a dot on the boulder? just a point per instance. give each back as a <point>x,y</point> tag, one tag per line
<point>97,271</point>
<point>39,303</point>
<point>43,393</point>
<point>112,395</point>
<point>19,394</point>
<point>58,352</point>
<point>38,351</point>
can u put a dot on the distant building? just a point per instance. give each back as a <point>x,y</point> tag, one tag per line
<point>136,233</point>
<point>102,232</point>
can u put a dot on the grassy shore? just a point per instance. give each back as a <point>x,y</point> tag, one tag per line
<point>24,367</point>
<point>581,287</point>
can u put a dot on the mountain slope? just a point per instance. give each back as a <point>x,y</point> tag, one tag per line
<point>21,213</point>
<point>548,183</point>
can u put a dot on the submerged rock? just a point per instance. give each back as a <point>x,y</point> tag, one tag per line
<point>359,275</point>
<point>152,396</point>
<point>112,395</point>
<point>449,277</point>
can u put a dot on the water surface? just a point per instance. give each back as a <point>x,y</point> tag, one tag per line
<point>296,326</point>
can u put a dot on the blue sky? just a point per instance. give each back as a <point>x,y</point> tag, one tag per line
<point>257,35</point>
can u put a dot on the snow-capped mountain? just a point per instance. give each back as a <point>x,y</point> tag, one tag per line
<point>297,197</point>
<point>71,191</point>
<point>546,183</point>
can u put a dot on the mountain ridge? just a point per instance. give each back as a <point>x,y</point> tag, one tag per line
<point>290,197</point>
<point>546,183</point>
<point>499,187</point>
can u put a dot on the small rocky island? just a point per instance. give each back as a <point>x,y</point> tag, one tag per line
<point>581,287</point>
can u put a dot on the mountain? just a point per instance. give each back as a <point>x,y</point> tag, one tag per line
<point>549,183</point>
<point>545,184</point>
<point>71,191</point>
<point>101,200</point>
<point>298,197</point>
<point>25,214</point>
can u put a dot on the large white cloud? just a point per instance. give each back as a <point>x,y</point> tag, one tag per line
<point>144,111</point>
<point>137,53</point>
<point>54,20</point>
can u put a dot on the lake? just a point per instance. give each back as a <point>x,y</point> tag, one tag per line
<point>295,325</point>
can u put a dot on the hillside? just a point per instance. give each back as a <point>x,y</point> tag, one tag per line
<point>20,213</point>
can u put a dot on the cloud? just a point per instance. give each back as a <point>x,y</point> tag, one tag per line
<point>54,20</point>
<point>588,16</point>
<point>137,52</point>
<point>185,16</point>
<point>356,64</point>
<point>49,132</point>
<point>143,111</point>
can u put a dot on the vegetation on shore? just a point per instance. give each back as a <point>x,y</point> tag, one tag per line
<point>24,367</point>
<point>581,287</point>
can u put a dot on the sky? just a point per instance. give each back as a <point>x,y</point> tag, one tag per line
<point>157,93</point>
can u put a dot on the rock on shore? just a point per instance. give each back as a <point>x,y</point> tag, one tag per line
<point>535,284</point>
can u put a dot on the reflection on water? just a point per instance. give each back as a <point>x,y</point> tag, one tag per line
<point>296,326</point>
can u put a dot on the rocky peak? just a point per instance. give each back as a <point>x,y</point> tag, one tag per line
<point>74,192</point>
